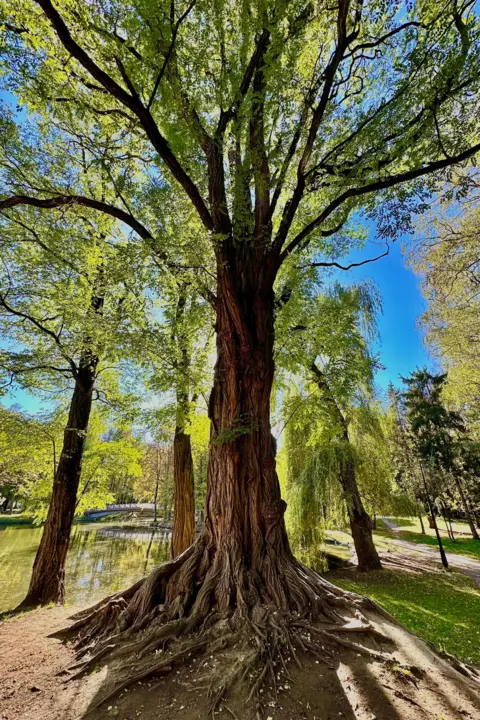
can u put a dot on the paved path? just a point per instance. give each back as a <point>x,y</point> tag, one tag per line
<point>467,565</point>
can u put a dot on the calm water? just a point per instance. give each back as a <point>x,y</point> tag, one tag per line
<point>103,558</point>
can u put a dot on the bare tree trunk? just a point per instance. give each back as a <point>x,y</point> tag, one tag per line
<point>466,508</point>
<point>47,583</point>
<point>184,524</point>
<point>421,523</point>
<point>184,527</point>
<point>157,482</point>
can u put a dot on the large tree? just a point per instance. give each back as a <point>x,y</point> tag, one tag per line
<point>277,121</point>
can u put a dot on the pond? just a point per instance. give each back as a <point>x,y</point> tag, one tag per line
<point>103,557</point>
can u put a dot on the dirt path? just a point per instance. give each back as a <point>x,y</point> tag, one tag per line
<point>414,684</point>
<point>466,565</point>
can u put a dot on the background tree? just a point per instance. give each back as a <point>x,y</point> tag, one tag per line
<point>448,258</point>
<point>65,316</point>
<point>324,342</point>
<point>435,431</point>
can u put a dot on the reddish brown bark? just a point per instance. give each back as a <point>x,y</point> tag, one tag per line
<point>184,523</point>
<point>47,583</point>
<point>244,510</point>
<point>184,527</point>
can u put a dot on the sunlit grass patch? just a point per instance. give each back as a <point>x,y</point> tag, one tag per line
<point>443,608</point>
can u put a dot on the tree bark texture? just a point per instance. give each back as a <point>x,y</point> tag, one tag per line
<point>360,521</point>
<point>184,526</point>
<point>47,583</point>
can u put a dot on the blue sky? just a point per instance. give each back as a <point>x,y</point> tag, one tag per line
<point>400,344</point>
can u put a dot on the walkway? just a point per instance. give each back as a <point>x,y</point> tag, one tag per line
<point>466,565</point>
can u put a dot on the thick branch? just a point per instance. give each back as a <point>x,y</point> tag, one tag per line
<point>65,200</point>
<point>383,184</point>
<point>343,42</point>
<point>133,103</point>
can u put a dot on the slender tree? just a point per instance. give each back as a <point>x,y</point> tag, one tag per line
<point>61,317</point>
<point>278,121</point>
<point>323,340</point>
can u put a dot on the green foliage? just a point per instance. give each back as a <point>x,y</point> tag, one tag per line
<point>28,449</point>
<point>447,257</point>
<point>330,415</point>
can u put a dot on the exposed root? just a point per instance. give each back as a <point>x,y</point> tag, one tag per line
<point>196,604</point>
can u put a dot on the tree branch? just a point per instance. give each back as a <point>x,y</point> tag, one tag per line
<point>384,184</point>
<point>65,200</point>
<point>352,265</point>
<point>133,103</point>
<point>51,333</point>
<point>175,30</point>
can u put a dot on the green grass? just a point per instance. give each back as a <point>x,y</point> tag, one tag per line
<point>15,519</point>
<point>443,608</point>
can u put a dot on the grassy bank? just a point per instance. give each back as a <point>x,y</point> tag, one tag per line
<point>443,608</point>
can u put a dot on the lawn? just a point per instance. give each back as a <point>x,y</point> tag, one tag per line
<point>409,529</point>
<point>15,519</point>
<point>443,608</point>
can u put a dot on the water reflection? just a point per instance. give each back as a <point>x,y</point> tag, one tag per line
<point>102,559</point>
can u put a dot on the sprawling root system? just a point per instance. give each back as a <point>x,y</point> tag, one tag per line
<point>199,604</point>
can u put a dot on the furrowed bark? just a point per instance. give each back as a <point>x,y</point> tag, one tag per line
<point>244,509</point>
<point>47,583</point>
<point>183,531</point>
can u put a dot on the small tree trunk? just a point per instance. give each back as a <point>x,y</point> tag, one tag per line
<point>421,524</point>
<point>184,529</point>
<point>360,521</point>
<point>466,508</point>
<point>47,583</point>
<point>445,520</point>
<point>432,518</point>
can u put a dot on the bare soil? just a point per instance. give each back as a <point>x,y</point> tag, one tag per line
<point>415,684</point>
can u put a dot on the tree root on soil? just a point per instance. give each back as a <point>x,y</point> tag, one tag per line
<point>189,607</point>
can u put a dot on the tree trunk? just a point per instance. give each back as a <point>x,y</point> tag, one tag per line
<point>244,510</point>
<point>466,508</point>
<point>360,522</point>
<point>239,579</point>
<point>421,524</point>
<point>47,583</point>
<point>184,525</point>
<point>184,528</point>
